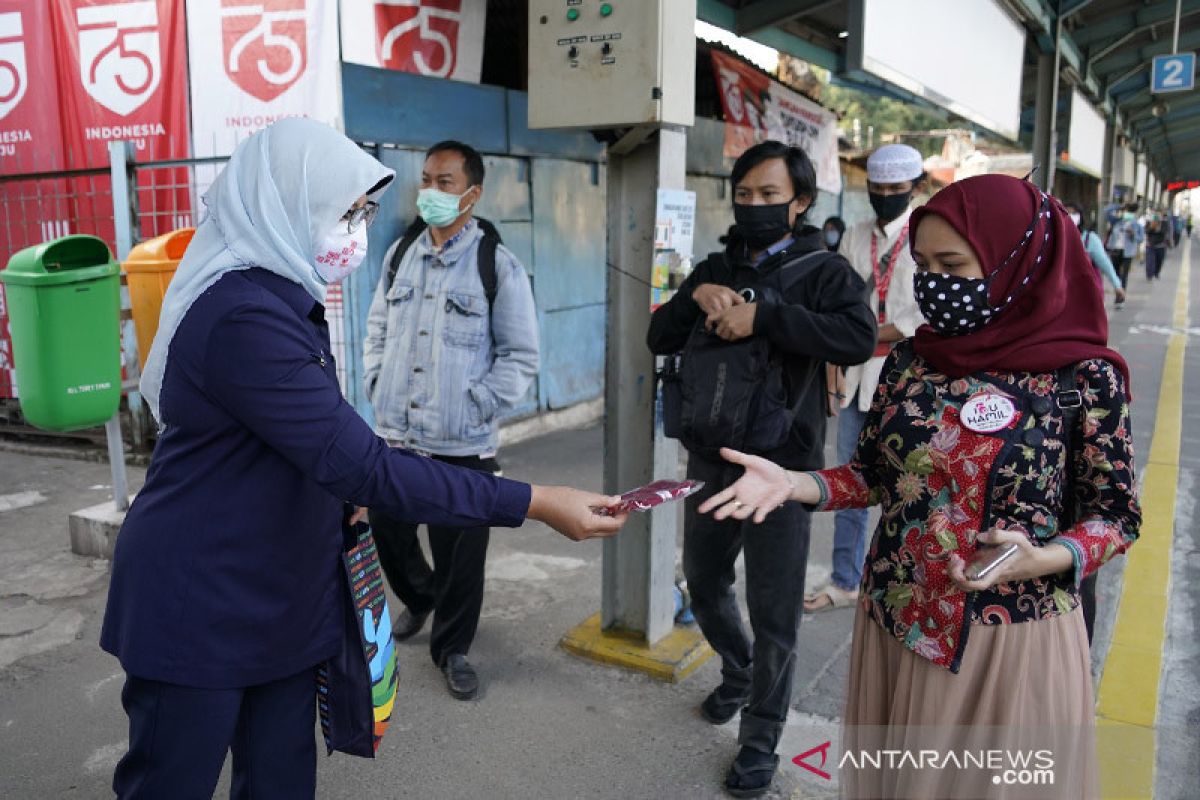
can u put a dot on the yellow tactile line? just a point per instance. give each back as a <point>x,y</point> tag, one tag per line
<point>1128,697</point>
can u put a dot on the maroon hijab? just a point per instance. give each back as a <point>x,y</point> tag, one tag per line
<point>1032,250</point>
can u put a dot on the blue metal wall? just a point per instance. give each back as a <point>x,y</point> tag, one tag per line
<point>544,190</point>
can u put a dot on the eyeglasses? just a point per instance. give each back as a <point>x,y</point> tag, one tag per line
<point>363,215</point>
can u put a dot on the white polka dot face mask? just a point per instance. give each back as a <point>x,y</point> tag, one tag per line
<point>953,306</point>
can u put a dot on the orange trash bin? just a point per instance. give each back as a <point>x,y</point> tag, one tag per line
<point>149,269</point>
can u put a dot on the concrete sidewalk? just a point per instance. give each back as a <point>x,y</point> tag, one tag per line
<point>547,725</point>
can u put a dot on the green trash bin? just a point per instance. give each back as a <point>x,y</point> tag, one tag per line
<point>64,307</point>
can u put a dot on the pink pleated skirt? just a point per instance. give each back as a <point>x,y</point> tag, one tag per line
<point>1016,721</point>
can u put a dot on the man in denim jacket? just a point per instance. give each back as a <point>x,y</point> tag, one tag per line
<point>439,365</point>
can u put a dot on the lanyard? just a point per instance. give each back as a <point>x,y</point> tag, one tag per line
<point>883,282</point>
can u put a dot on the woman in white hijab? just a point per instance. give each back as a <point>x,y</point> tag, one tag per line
<point>226,590</point>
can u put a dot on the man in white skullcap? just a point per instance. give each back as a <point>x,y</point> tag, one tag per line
<point>878,251</point>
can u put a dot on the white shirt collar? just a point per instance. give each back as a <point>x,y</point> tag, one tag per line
<point>892,230</point>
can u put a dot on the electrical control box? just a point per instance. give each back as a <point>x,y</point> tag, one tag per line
<point>611,63</point>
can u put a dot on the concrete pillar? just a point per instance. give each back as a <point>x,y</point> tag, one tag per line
<point>1045,134</point>
<point>639,565</point>
<point>1106,171</point>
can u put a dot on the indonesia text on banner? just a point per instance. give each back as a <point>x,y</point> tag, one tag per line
<point>30,141</point>
<point>30,131</point>
<point>256,61</point>
<point>122,75</point>
<point>437,38</point>
<point>758,108</point>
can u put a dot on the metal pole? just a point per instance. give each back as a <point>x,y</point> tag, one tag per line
<point>639,565</point>
<point>1175,41</point>
<point>120,156</point>
<point>116,458</point>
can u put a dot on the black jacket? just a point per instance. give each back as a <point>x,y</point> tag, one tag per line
<point>824,317</point>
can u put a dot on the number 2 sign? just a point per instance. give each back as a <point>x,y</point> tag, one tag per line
<point>1173,73</point>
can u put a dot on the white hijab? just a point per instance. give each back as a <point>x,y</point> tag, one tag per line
<point>282,191</point>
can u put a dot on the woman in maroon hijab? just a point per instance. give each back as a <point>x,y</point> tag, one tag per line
<point>999,448</point>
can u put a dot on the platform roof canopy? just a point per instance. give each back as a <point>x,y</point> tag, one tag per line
<point>1106,48</point>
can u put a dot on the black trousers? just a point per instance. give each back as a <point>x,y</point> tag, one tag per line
<point>179,736</point>
<point>1087,600</point>
<point>453,588</point>
<point>1122,263</point>
<point>776,555</point>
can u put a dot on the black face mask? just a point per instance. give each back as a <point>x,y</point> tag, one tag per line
<point>889,206</point>
<point>762,226</point>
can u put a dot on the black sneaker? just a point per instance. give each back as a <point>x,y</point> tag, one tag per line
<point>461,679</point>
<point>407,625</point>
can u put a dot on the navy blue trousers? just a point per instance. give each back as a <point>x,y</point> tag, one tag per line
<point>179,737</point>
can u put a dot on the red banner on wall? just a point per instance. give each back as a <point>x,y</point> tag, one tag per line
<point>30,137</point>
<point>30,141</point>
<point>265,60</point>
<point>758,108</point>
<point>437,38</point>
<point>122,75</point>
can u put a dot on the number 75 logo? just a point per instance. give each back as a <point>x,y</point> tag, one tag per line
<point>265,44</point>
<point>119,59</point>
<point>13,77</point>
<point>418,35</point>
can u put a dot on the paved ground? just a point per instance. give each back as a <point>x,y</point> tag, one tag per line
<point>547,725</point>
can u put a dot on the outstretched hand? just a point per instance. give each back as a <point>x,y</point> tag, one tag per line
<point>570,512</point>
<point>763,488</point>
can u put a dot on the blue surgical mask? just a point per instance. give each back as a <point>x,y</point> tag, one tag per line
<point>439,208</point>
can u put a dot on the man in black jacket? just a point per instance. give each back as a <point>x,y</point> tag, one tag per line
<point>821,316</point>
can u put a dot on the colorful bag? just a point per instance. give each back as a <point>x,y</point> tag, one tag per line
<point>357,688</point>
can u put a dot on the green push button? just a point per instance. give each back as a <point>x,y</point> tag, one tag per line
<point>572,14</point>
<point>606,9</point>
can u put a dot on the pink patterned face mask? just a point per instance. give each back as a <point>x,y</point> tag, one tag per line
<point>340,253</point>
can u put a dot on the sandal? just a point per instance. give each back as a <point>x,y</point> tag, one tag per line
<point>828,597</point>
<point>751,773</point>
<point>723,704</point>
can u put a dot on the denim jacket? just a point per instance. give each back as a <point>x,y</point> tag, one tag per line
<point>436,369</point>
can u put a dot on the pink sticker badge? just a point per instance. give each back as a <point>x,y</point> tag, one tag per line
<point>987,412</point>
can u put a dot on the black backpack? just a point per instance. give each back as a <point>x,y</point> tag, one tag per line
<point>734,394</point>
<point>486,262</point>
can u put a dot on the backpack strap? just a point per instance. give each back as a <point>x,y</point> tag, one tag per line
<point>796,268</point>
<point>905,354</point>
<point>411,234</point>
<point>485,262</point>
<point>1070,401</point>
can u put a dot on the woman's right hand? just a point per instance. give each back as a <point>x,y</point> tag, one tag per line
<point>764,487</point>
<point>714,298</point>
<point>570,512</point>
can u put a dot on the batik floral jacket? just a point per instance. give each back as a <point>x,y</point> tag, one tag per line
<point>940,482</point>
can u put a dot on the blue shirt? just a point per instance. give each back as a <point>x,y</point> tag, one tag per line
<point>227,571</point>
<point>783,244</point>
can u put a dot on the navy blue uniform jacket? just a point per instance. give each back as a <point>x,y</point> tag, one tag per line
<point>226,572</point>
